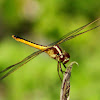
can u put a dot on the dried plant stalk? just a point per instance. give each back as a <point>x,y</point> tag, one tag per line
<point>65,88</point>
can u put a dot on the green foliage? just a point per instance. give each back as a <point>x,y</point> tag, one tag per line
<point>43,21</point>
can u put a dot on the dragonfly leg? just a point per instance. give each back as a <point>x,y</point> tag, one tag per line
<point>64,65</point>
<point>58,65</point>
<point>61,69</point>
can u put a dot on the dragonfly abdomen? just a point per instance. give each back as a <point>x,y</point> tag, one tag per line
<point>40,47</point>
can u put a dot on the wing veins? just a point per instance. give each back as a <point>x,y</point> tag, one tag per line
<point>72,36</point>
<point>14,67</point>
<point>73,33</point>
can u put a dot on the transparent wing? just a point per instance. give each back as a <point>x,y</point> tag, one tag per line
<point>14,67</point>
<point>74,33</point>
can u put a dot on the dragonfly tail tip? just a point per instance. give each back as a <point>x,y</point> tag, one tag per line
<point>13,36</point>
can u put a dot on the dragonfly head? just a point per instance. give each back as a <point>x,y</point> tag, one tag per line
<point>66,57</point>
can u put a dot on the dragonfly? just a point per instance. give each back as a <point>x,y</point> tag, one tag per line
<point>53,50</point>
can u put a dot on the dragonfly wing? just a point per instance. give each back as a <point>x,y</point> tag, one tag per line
<point>14,67</point>
<point>74,33</point>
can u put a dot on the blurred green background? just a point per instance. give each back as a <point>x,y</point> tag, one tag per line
<point>43,22</point>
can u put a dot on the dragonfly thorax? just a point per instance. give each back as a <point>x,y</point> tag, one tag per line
<point>56,53</point>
